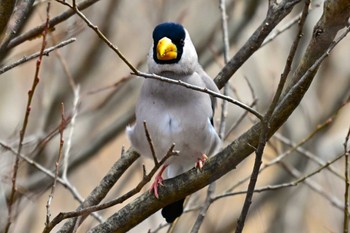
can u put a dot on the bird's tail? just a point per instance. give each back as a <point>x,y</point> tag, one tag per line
<point>173,210</point>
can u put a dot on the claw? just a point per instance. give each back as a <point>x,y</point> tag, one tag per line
<point>200,162</point>
<point>158,180</point>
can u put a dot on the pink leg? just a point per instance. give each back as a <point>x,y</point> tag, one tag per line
<point>158,180</point>
<point>201,161</point>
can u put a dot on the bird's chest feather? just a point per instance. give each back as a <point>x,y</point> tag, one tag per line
<point>167,120</point>
<point>172,112</point>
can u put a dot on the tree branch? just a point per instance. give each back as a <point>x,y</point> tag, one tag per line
<point>201,89</point>
<point>274,15</point>
<point>16,22</point>
<point>24,127</point>
<point>6,8</point>
<point>25,59</point>
<point>53,22</point>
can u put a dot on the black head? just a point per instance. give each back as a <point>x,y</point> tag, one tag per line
<point>176,33</point>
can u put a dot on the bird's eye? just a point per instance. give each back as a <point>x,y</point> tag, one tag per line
<point>182,42</point>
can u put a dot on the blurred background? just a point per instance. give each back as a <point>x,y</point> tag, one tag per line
<point>106,106</point>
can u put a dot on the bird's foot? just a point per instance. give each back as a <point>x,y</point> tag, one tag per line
<point>200,162</point>
<point>158,180</point>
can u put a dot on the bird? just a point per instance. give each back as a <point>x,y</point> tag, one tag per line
<point>175,114</point>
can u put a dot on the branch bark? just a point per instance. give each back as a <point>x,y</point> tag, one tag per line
<point>53,22</point>
<point>6,8</point>
<point>18,19</point>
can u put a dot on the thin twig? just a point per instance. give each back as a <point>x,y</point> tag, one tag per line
<point>39,167</point>
<point>76,195</point>
<point>18,19</point>
<point>76,90</point>
<point>64,64</point>
<point>226,58</point>
<point>284,28</point>
<point>240,119</point>
<point>274,16</point>
<point>197,88</point>
<point>25,122</point>
<point>59,157</point>
<point>46,52</point>
<point>71,130</point>
<point>211,187</point>
<point>254,176</point>
<point>297,147</point>
<point>103,187</point>
<point>114,85</point>
<point>277,32</point>
<point>244,114</point>
<point>150,142</point>
<point>204,209</point>
<point>32,163</point>
<point>53,22</point>
<point>316,187</point>
<point>47,172</point>
<point>75,8</point>
<point>284,185</point>
<point>291,55</point>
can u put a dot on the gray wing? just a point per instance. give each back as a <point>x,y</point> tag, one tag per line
<point>210,84</point>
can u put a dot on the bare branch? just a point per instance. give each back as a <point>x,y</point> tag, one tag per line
<point>16,22</point>
<point>53,22</point>
<point>208,201</point>
<point>25,59</point>
<point>196,88</point>
<point>25,122</point>
<point>274,16</point>
<point>285,27</point>
<point>226,58</point>
<point>151,145</point>
<point>59,157</point>
<point>316,187</point>
<point>75,8</point>
<point>284,185</point>
<point>6,8</point>
<point>71,130</point>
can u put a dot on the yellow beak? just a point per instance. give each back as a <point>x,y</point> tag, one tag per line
<point>166,49</point>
